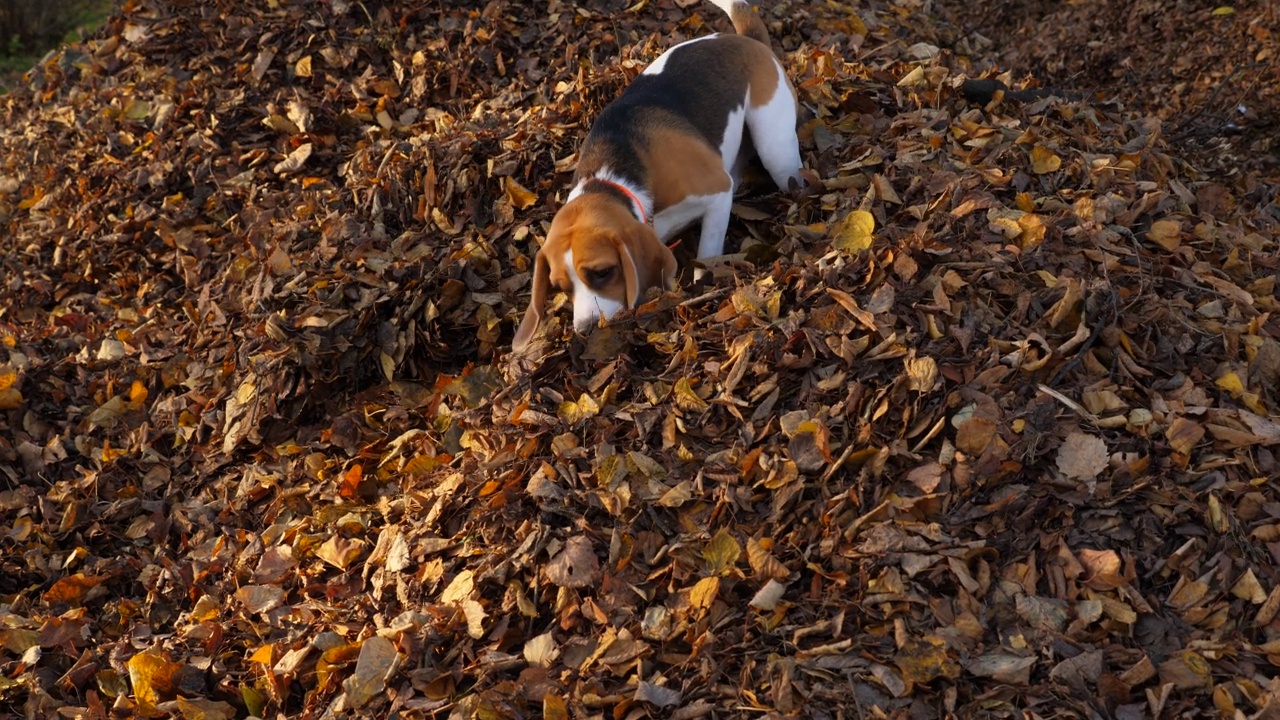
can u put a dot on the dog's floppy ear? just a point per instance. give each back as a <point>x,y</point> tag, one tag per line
<point>626,259</point>
<point>537,302</point>
<point>668,262</point>
<point>653,262</point>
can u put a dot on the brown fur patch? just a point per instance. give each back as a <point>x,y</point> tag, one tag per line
<point>747,22</point>
<point>681,165</point>
<point>762,74</point>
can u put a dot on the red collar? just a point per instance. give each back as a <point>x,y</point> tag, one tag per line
<point>635,200</point>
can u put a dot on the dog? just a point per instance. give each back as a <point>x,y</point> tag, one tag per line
<point>668,152</point>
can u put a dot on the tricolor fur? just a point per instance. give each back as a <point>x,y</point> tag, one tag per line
<point>667,152</point>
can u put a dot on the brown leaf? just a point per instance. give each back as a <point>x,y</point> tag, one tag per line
<point>260,598</point>
<point>658,695</point>
<point>377,661</point>
<point>1002,667</point>
<point>1183,435</point>
<point>1082,456</point>
<point>72,589</point>
<point>1103,569</point>
<point>576,565</point>
<point>1044,160</point>
<point>519,197</point>
<point>1166,233</point>
<point>923,660</point>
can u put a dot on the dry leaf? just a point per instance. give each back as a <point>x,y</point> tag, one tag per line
<point>1166,233</point>
<point>378,659</point>
<point>576,565</point>
<point>1082,456</point>
<point>1044,160</point>
<point>856,232</point>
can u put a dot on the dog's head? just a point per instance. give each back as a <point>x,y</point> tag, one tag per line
<point>598,251</point>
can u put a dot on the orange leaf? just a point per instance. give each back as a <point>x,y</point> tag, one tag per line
<point>72,588</point>
<point>350,488</point>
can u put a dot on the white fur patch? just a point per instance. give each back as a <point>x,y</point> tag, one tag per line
<point>588,307</point>
<point>672,220</point>
<point>733,136</point>
<point>658,65</point>
<point>773,132</point>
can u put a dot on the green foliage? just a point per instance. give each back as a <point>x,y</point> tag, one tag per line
<point>28,29</point>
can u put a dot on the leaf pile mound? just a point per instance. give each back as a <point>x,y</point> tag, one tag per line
<point>983,424</point>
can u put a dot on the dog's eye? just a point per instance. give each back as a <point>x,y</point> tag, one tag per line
<point>599,277</point>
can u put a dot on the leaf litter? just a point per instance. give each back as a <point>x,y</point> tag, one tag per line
<point>985,422</point>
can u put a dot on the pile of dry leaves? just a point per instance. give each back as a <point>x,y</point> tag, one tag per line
<point>984,425</point>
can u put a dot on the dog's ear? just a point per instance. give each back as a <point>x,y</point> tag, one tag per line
<point>669,267</point>
<point>655,264</point>
<point>537,303</point>
<point>635,283</point>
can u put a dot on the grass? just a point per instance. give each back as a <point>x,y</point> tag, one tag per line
<point>33,32</point>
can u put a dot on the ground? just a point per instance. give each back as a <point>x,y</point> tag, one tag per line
<point>982,424</point>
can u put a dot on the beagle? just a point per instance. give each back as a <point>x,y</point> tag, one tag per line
<point>665,154</point>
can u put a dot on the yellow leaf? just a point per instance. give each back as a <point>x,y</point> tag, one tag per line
<point>302,68</point>
<point>687,399</point>
<point>1032,231</point>
<point>10,399</point>
<point>922,373</point>
<point>1166,233</point>
<point>921,662</point>
<point>340,552</point>
<point>110,454</point>
<point>915,77</point>
<point>721,553</point>
<point>519,197</point>
<point>204,709</point>
<point>554,707</point>
<point>459,588</point>
<point>421,465</point>
<point>575,412</point>
<point>1224,10</point>
<point>8,378</point>
<point>762,562</point>
<point>1044,160</point>
<point>264,655</point>
<point>147,670</point>
<point>1230,383</point>
<point>1183,434</point>
<point>704,593</point>
<point>856,232</point>
<point>1248,588</point>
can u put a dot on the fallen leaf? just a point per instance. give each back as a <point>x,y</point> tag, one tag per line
<point>541,650</point>
<point>1002,667</point>
<point>260,598</point>
<point>1044,160</point>
<point>576,565</point>
<point>377,661</point>
<point>1166,233</point>
<point>1082,456</point>
<point>657,695</point>
<point>294,162</point>
<point>519,197</point>
<point>856,232</point>
<point>150,675</point>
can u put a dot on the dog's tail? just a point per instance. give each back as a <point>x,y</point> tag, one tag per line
<point>746,19</point>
